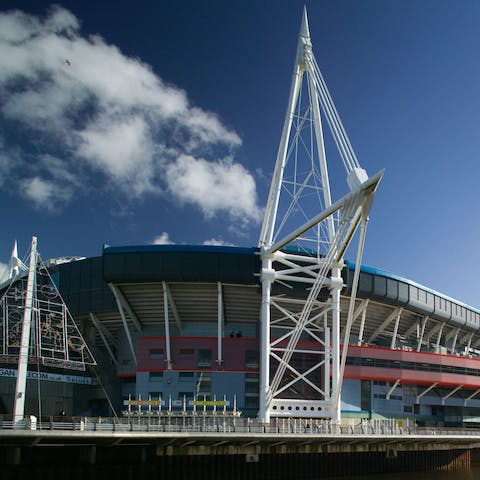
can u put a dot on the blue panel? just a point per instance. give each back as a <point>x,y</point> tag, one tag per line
<point>459,315</point>
<point>403,296</point>
<point>472,320</point>
<point>365,284</point>
<point>420,300</point>
<point>385,273</point>
<point>443,309</point>
<point>379,286</point>
<point>392,289</point>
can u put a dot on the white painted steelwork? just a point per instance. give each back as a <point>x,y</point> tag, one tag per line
<point>36,323</point>
<point>300,344</point>
<point>21,383</point>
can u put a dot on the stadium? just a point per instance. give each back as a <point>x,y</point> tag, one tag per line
<point>284,329</point>
<point>191,314</point>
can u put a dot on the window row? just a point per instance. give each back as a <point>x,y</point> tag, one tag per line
<point>203,357</point>
<point>398,364</point>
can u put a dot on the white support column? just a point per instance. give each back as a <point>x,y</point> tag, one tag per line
<point>385,324</point>
<point>474,394</point>
<point>268,276</point>
<point>336,354</point>
<point>326,371</point>
<point>469,343</point>
<point>21,383</point>
<point>422,331</point>
<point>433,331</point>
<point>120,297</point>
<point>414,327</point>
<point>167,326</point>
<point>395,330</point>
<point>125,327</point>
<point>219,323</point>
<point>425,392</point>
<point>362,324</point>
<point>394,386</point>
<point>358,311</point>
<point>439,337</point>
<point>103,336</point>
<point>454,343</point>
<point>455,390</point>
<point>173,306</point>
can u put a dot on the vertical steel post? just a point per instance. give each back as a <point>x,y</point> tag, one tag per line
<point>326,369</point>
<point>220,323</point>
<point>21,383</point>
<point>167,325</point>
<point>267,278</point>
<point>335,292</point>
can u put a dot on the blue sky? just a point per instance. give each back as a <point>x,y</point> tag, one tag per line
<point>166,121</point>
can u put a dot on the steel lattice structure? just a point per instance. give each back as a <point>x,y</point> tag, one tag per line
<point>35,323</point>
<point>300,341</point>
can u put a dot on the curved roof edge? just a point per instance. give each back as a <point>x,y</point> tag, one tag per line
<point>179,248</point>
<point>393,276</point>
<point>222,249</point>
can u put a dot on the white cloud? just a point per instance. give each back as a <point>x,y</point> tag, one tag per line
<point>162,239</point>
<point>44,193</point>
<point>121,148</point>
<point>217,242</point>
<point>214,186</point>
<point>89,109</point>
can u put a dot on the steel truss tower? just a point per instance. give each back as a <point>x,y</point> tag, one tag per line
<point>303,239</point>
<point>35,324</point>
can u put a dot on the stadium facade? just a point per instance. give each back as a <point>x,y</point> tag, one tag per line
<point>182,322</point>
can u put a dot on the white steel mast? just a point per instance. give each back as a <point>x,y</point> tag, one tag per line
<point>287,320</point>
<point>20,386</point>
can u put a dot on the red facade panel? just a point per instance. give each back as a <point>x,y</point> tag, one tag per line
<point>186,355</point>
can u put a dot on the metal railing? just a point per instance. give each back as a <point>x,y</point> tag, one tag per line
<point>224,425</point>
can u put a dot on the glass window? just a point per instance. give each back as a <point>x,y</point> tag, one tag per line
<point>156,354</point>
<point>251,402</point>
<point>366,392</point>
<point>366,362</point>
<point>251,359</point>
<point>186,376</point>
<point>155,376</point>
<point>204,358</point>
<point>251,387</point>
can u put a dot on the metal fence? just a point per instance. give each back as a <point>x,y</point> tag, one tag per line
<point>225,425</point>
